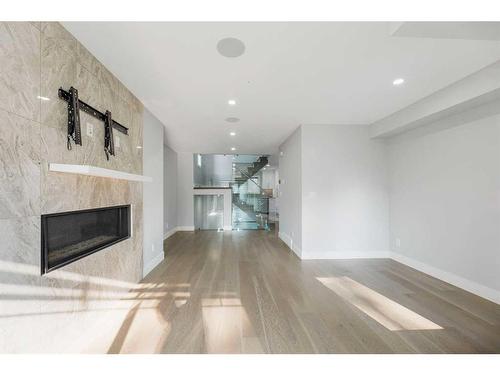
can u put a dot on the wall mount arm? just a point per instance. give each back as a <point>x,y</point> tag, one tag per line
<point>109,144</point>
<point>74,130</point>
<point>75,105</point>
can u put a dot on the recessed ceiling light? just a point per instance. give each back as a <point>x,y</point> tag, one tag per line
<point>44,98</point>
<point>233,148</point>
<point>264,168</point>
<point>232,119</point>
<point>231,47</point>
<point>139,147</point>
<point>232,134</point>
<point>231,102</point>
<point>267,165</point>
<point>398,81</point>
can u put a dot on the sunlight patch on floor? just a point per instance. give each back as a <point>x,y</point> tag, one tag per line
<point>118,316</point>
<point>180,302</point>
<point>143,329</point>
<point>390,314</point>
<point>227,326</point>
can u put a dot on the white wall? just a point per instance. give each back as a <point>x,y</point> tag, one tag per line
<point>437,189</point>
<point>169,191</point>
<point>152,192</point>
<point>268,178</point>
<point>445,204</point>
<point>345,203</point>
<point>185,209</point>
<point>290,200</point>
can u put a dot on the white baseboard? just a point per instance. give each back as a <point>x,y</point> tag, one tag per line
<point>153,263</point>
<point>289,242</point>
<point>458,281</point>
<point>188,228</point>
<point>346,255</point>
<point>170,233</point>
<point>473,287</point>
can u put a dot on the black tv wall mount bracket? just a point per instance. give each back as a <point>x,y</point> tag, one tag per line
<point>74,128</point>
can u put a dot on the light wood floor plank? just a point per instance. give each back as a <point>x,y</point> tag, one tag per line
<point>246,292</point>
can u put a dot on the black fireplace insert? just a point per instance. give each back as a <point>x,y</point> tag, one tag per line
<point>69,236</point>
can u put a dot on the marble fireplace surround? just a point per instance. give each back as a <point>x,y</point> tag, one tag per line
<point>64,310</point>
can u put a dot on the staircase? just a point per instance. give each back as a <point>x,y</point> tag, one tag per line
<point>251,170</point>
<point>251,203</point>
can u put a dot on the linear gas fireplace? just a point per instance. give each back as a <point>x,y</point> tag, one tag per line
<point>69,236</point>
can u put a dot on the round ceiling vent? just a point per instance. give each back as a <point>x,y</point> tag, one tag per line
<point>232,119</point>
<point>231,47</point>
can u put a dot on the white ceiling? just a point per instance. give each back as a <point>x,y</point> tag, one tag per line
<point>290,74</point>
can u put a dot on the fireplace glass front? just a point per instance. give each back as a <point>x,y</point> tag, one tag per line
<point>69,236</point>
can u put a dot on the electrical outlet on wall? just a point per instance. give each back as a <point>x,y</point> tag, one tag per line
<point>90,129</point>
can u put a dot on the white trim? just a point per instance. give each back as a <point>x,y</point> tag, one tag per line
<point>346,255</point>
<point>170,233</point>
<point>475,90</point>
<point>153,263</point>
<point>90,170</point>
<point>289,242</point>
<point>473,287</point>
<point>458,281</point>
<point>187,228</point>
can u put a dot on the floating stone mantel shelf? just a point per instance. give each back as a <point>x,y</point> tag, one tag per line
<point>89,170</point>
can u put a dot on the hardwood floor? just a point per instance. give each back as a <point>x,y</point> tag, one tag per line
<point>245,292</point>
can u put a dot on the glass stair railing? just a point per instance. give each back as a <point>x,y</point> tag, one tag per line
<point>245,176</point>
<point>248,170</point>
<point>250,200</point>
